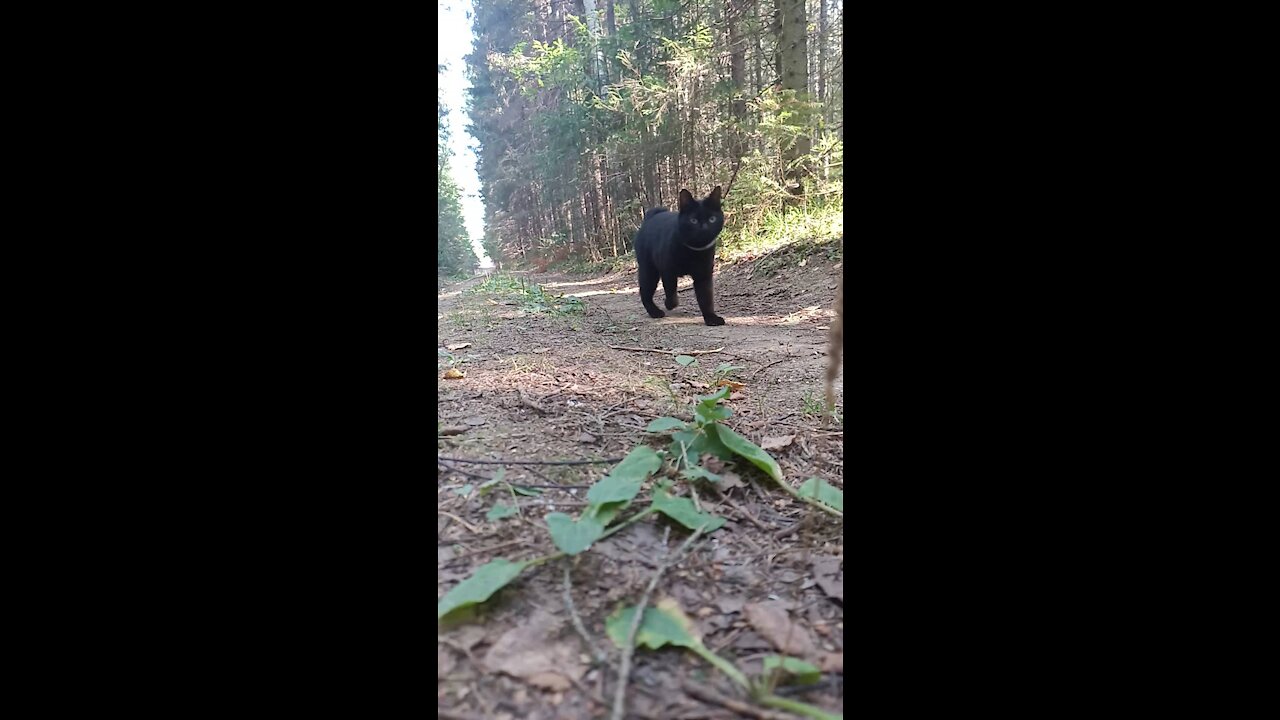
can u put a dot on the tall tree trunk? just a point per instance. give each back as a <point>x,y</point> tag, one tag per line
<point>795,76</point>
<point>778,6</point>
<point>611,29</point>
<point>737,78</point>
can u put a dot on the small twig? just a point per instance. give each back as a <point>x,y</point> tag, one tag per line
<point>454,714</point>
<point>453,430</point>
<point>668,352</point>
<point>603,461</point>
<point>736,168</point>
<point>629,647</point>
<point>788,530</point>
<point>482,551</point>
<point>743,512</point>
<point>529,403</point>
<point>460,471</point>
<point>577,621</point>
<point>763,367</point>
<point>539,474</point>
<point>706,694</point>
<point>465,524</point>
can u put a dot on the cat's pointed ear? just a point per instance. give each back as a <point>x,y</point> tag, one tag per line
<point>715,195</point>
<point>686,200</point>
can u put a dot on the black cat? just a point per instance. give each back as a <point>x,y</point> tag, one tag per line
<point>670,245</point>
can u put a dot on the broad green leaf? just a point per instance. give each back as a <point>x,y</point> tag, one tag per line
<point>699,473</point>
<point>685,360</point>
<point>682,511</point>
<point>750,451</point>
<point>823,492</point>
<point>573,537</point>
<point>726,367</point>
<point>521,490</point>
<point>666,624</point>
<point>483,583</point>
<point>697,442</point>
<point>682,441</point>
<point>714,397</point>
<point>665,423</point>
<point>711,413</point>
<point>604,514</point>
<point>486,486</point>
<point>661,625</point>
<point>499,511</point>
<point>624,482</point>
<point>610,489</point>
<point>709,442</point>
<point>802,672</point>
<point>639,464</point>
<point>465,490</point>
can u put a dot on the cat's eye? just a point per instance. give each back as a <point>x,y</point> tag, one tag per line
<point>715,219</point>
<point>693,220</point>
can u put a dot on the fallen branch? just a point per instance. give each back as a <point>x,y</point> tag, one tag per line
<point>464,523</point>
<point>668,352</point>
<point>454,714</point>
<point>629,647</point>
<point>460,471</point>
<point>706,694</point>
<point>603,461</point>
<point>596,654</point>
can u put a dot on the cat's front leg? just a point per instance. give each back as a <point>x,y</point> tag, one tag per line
<point>702,289</point>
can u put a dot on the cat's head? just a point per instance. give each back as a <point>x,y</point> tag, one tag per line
<point>700,220</point>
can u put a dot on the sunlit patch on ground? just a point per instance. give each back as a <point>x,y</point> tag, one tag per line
<point>596,281</point>
<point>610,291</point>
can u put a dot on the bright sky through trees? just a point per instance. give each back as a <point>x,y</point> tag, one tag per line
<point>454,35</point>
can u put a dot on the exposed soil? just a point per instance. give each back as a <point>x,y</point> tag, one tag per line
<point>546,386</point>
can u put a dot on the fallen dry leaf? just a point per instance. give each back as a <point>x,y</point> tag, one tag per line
<point>731,384</point>
<point>730,480</point>
<point>778,441</point>
<point>457,346</point>
<point>474,421</point>
<point>586,437</point>
<point>531,652</point>
<point>770,619</point>
<point>731,604</point>
<point>540,350</point>
<point>826,571</point>
<point>454,374</point>
<point>444,662</point>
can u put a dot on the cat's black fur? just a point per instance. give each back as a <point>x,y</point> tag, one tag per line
<point>670,245</point>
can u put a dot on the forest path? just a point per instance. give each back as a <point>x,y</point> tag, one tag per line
<point>542,383</point>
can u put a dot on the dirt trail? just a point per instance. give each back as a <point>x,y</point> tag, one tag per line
<point>544,384</point>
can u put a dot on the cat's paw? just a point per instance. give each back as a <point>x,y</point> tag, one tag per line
<point>714,320</point>
<point>656,313</point>
<point>671,302</point>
